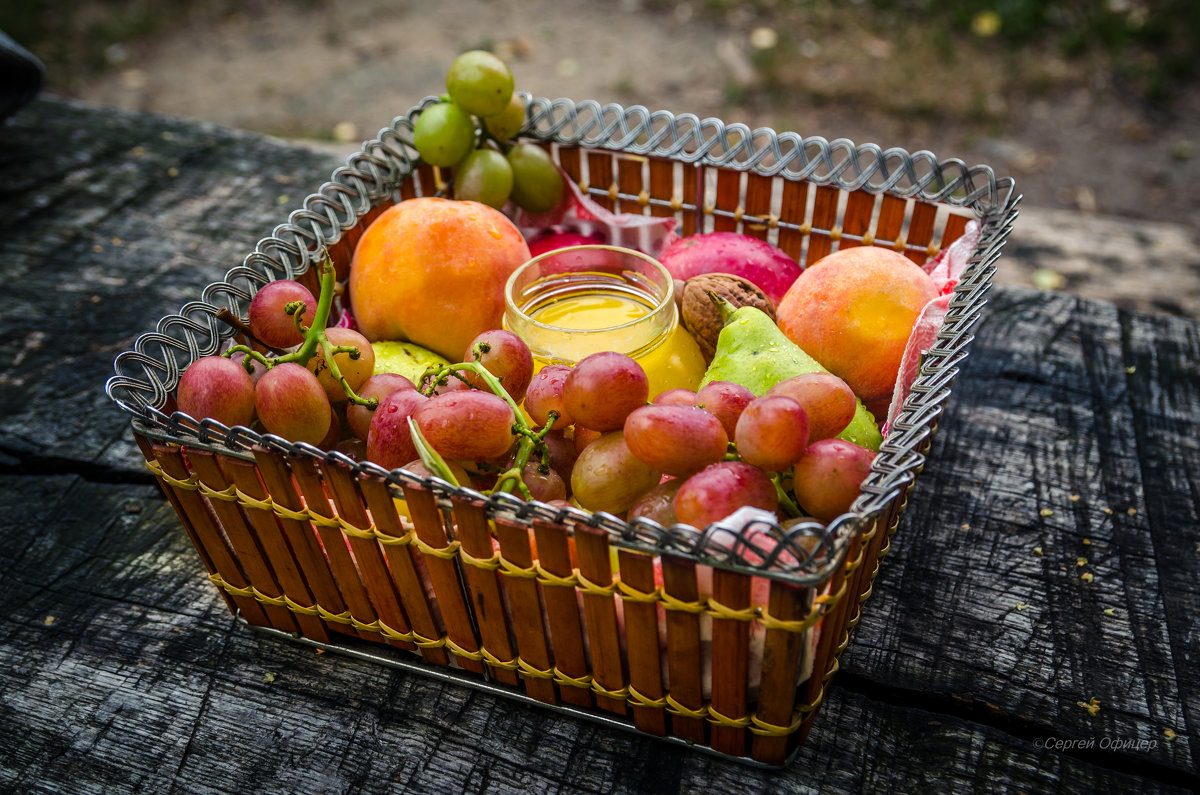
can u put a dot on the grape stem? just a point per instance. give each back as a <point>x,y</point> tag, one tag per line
<point>785,501</point>
<point>315,338</point>
<point>529,440</point>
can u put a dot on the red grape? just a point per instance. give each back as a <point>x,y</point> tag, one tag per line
<point>772,433</point>
<point>725,400</point>
<point>829,477</point>
<point>389,439</point>
<point>827,399</point>
<point>658,503</point>
<point>677,440</point>
<point>468,426</point>
<point>608,477</point>
<point>720,489</point>
<point>355,371</point>
<point>543,486</point>
<point>562,453</point>
<point>213,386</point>
<point>582,437</point>
<point>334,434</point>
<point>377,386</point>
<point>679,396</point>
<point>603,388</point>
<point>545,394</point>
<point>292,404</point>
<point>257,368</point>
<point>507,357</point>
<point>268,320</point>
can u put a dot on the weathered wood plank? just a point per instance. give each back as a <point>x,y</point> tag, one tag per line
<point>108,221</point>
<point>1040,479</point>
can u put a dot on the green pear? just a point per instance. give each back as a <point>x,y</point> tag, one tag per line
<point>753,352</point>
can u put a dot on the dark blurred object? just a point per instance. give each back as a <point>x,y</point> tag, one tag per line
<point>20,76</point>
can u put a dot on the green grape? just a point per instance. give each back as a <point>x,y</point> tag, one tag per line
<point>537,182</point>
<point>443,134</point>
<point>508,122</point>
<point>480,83</point>
<point>485,176</point>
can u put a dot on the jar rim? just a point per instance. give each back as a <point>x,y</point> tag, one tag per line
<point>666,300</point>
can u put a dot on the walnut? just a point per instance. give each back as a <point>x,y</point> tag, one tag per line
<point>701,316</point>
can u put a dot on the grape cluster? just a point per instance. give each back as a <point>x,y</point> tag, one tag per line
<point>304,393</point>
<point>472,130</point>
<point>586,435</point>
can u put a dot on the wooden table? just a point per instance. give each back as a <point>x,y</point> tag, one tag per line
<point>1036,625</point>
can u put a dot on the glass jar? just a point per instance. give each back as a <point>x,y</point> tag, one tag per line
<point>569,303</point>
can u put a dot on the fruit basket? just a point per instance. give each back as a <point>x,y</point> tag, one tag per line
<point>723,638</point>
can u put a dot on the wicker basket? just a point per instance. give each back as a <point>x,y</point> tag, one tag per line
<point>725,641</point>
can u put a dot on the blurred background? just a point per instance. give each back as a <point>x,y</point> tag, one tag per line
<point>1092,105</point>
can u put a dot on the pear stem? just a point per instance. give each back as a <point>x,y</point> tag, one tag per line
<point>724,307</point>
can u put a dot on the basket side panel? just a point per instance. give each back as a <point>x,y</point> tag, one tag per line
<point>665,196</point>
<point>562,613</point>
<point>730,662</point>
<point>792,207</point>
<point>601,180</point>
<point>856,222</point>
<point>600,619</point>
<point>438,555</point>
<point>528,614</point>
<point>479,561</point>
<point>302,539</point>
<point>782,658</point>
<point>642,619</point>
<point>207,534</point>
<point>920,241</point>
<point>397,545</point>
<point>630,183</point>
<point>296,593</point>
<point>758,220</point>
<point>824,221</point>
<point>360,613</point>
<point>727,200</point>
<point>683,649</point>
<point>359,534</point>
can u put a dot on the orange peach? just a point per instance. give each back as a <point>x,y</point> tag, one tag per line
<point>853,312</point>
<point>432,271</point>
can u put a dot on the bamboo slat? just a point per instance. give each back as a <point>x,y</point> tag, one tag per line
<point>683,648</point>
<point>402,563</point>
<point>279,555</point>
<point>526,608</point>
<point>443,575</point>
<point>730,661</point>
<point>642,641</point>
<point>484,587</point>
<point>600,616</point>
<point>562,612</point>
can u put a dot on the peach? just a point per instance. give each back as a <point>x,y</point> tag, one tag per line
<point>853,312</point>
<point>432,271</point>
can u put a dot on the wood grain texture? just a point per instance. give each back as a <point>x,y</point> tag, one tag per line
<point>121,669</point>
